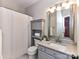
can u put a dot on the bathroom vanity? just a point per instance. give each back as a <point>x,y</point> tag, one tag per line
<point>60,27</point>
<point>55,51</point>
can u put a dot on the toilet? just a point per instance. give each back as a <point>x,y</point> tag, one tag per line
<point>32,51</point>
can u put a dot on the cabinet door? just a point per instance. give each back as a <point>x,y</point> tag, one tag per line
<point>43,55</point>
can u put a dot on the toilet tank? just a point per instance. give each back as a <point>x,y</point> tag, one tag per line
<point>36,42</point>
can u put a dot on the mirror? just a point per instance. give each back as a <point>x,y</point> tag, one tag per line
<point>61,21</point>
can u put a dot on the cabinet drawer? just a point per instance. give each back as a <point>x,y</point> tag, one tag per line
<point>57,55</point>
<point>41,48</point>
<point>49,51</point>
<point>43,55</point>
<point>53,53</point>
<point>60,56</point>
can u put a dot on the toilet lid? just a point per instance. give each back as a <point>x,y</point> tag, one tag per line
<point>32,49</point>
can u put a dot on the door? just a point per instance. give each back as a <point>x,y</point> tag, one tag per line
<point>43,55</point>
<point>67,25</point>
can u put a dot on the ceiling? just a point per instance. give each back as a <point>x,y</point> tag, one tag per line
<point>25,3</point>
<point>19,3</point>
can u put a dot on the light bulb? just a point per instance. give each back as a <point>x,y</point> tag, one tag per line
<point>67,6</point>
<point>64,4</point>
<point>71,2</point>
<point>52,10</point>
<point>54,7</point>
<point>58,8</point>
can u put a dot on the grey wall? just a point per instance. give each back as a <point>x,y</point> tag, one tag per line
<point>16,33</point>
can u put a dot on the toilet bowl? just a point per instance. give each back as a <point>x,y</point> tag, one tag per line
<point>32,51</point>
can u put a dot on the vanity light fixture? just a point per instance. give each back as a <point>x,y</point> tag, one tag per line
<point>65,5</point>
<point>51,9</point>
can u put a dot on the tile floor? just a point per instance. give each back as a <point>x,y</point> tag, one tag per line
<point>23,57</point>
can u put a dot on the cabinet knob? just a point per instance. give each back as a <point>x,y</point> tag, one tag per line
<point>74,57</point>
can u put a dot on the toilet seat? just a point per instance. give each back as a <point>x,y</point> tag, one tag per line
<point>32,50</point>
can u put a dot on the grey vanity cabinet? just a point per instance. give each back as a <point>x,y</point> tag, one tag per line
<point>46,53</point>
<point>43,55</point>
<point>60,56</point>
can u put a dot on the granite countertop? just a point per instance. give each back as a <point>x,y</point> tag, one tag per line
<point>70,49</point>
